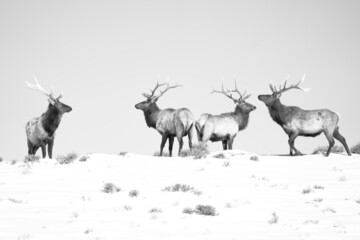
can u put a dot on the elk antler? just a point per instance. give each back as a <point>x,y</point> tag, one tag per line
<point>283,88</point>
<point>152,95</point>
<point>38,87</point>
<point>228,94</point>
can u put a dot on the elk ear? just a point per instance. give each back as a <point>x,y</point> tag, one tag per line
<point>278,96</point>
<point>154,99</point>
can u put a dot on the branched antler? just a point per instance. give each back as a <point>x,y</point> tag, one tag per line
<point>283,88</point>
<point>154,97</point>
<point>228,93</point>
<point>38,87</point>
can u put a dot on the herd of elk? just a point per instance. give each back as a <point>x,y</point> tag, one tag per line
<point>298,122</point>
<point>171,123</point>
<point>40,131</point>
<point>225,126</point>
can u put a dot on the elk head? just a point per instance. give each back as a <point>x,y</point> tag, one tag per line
<point>54,102</point>
<point>268,99</point>
<point>240,102</point>
<point>152,98</point>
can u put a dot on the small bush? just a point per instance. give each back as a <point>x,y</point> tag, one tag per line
<point>355,149</point>
<point>318,187</point>
<point>254,158</point>
<point>307,190</point>
<point>219,156</point>
<point>188,210</point>
<point>1,159</point>
<point>133,193</point>
<point>31,158</point>
<point>155,210</point>
<point>84,158</point>
<point>226,164</point>
<point>111,188</point>
<point>178,188</point>
<point>66,159</point>
<point>197,151</point>
<point>274,219</point>
<point>165,154</point>
<point>123,153</point>
<point>206,210</point>
<point>323,149</point>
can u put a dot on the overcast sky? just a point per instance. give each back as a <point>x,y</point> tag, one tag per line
<point>104,54</point>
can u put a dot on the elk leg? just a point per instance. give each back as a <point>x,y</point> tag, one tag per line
<point>331,142</point>
<point>171,143</point>
<point>231,141</point>
<point>190,136</point>
<point>50,148</point>
<point>292,137</point>
<point>224,143</point>
<point>181,143</point>
<point>339,137</point>
<point>163,141</point>
<point>43,149</point>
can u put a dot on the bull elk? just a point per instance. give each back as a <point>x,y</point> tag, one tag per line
<point>225,126</point>
<point>40,131</point>
<point>170,123</point>
<point>298,122</point>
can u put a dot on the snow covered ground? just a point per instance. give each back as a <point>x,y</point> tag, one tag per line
<point>263,197</point>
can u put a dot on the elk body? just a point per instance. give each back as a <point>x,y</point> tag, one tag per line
<point>170,123</point>
<point>298,122</point>
<point>40,131</point>
<point>224,127</point>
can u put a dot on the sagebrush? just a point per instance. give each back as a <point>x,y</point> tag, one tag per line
<point>66,159</point>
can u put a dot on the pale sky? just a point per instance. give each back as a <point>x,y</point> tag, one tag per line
<point>104,54</point>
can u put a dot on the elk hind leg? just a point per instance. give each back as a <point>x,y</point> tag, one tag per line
<point>190,136</point>
<point>230,142</point>
<point>224,143</point>
<point>50,148</point>
<point>339,137</point>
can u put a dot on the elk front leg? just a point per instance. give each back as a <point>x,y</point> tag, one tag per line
<point>331,140</point>
<point>50,148</point>
<point>224,143</point>
<point>292,137</point>
<point>162,145</point>
<point>43,150</point>
<point>231,141</point>
<point>190,136</point>
<point>171,143</point>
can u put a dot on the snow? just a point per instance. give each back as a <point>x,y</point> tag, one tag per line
<point>271,197</point>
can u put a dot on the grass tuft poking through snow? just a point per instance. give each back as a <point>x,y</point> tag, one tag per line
<point>111,188</point>
<point>274,219</point>
<point>182,188</point>
<point>219,156</point>
<point>31,158</point>
<point>198,151</point>
<point>67,159</point>
<point>205,210</point>
<point>133,193</point>
<point>355,149</point>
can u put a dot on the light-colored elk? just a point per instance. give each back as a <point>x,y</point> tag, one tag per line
<point>225,126</point>
<point>40,131</point>
<point>298,122</point>
<point>170,123</point>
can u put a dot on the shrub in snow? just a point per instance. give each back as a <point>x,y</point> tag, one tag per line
<point>84,158</point>
<point>318,187</point>
<point>274,219</point>
<point>31,158</point>
<point>122,154</point>
<point>307,190</point>
<point>157,154</point>
<point>155,210</point>
<point>323,149</point>
<point>356,149</point>
<point>111,188</point>
<point>219,156</point>
<point>254,158</point>
<point>133,193</point>
<point>66,159</point>
<point>205,210</point>
<point>182,188</point>
<point>198,151</point>
<point>1,159</point>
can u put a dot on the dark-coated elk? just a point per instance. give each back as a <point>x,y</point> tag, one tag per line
<point>170,123</point>
<point>298,122</point>
<point>225,126</point>
<point>40,131</point>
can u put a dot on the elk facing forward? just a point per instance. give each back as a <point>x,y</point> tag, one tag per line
<point>40,131</point>
<point>170,123</point>
<point>225,126</point>
<point>298,122</point>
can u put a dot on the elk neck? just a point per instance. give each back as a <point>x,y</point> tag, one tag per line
<point>242,117</point>
<point>51,119</point>
<point>278,112</point>
<point>151,115</point>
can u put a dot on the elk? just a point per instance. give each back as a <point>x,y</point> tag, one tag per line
<point>298,122</point>
<point>170,123</point>
<point>225,126</point>
<point>40,131</point>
